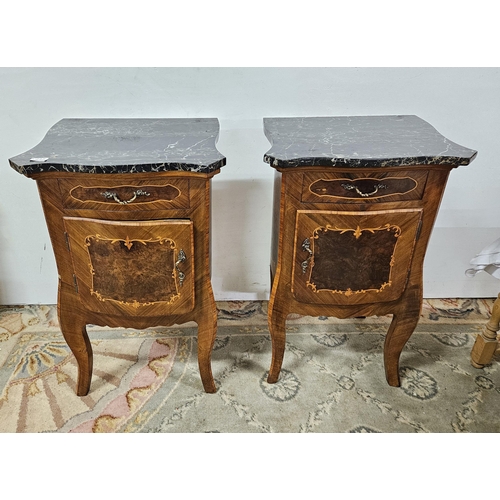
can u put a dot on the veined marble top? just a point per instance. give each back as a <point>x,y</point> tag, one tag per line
<point>358,141</point>
<point>125,145</point>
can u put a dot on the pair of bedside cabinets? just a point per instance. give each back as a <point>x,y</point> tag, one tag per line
<point>127,205</point>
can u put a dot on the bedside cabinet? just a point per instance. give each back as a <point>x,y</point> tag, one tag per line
<point>355,200</point>
<point>127,204</point>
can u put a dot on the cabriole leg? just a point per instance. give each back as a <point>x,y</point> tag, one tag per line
<point>404,322</point>
<point>73,327</point>
<point>277,315</point>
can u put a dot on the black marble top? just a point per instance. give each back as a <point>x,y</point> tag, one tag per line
<point>359,141</point>
<point>125,145</point>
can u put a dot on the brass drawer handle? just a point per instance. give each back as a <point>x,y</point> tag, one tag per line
<point>114,196</point>
<point>306,247</point>
<point>376,187</point>
<point>180,258</point>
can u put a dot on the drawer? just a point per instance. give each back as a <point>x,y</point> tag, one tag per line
<point>140,195</point>
<point>363,187</point>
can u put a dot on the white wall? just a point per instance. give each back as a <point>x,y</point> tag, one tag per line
<point>461,103</point>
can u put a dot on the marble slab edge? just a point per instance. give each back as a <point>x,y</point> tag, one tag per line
<point>360,163</point>
<point>36,168</point>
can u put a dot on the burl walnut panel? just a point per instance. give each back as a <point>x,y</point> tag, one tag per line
<point>347,261</point>
<point>130,272</point>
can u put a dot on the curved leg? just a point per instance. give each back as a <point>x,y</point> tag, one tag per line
<point>486,342</point>
<point>404,322</point>
<point>399,332</point>
<point>276,318</point>
<point>73,327</point>
<point>207,331</point>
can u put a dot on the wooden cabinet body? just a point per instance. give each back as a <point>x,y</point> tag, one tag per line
<point>137,264</point>
<point>349,259</point>
<point>350,230</point>
<point>127,205</point>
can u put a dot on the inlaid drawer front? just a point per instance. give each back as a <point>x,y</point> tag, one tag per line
<point>137,268</point>
<point>359,187</point>
<point>146,195</point>
<point>347,258</point>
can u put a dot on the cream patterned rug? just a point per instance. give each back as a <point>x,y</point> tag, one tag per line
<point>332,381</point>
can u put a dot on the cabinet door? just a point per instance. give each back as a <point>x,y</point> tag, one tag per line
<point>140,268</point>
<point>348,258</point>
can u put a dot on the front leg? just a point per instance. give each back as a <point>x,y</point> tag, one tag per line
<point>404,322</point>
<point>73,327</point>
<point>207,332</point>
<point>277,315</point>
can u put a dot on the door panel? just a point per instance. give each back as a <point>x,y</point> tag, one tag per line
<point>133,268</point>
<point>348,258</point>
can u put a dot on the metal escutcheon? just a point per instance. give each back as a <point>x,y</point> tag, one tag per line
<point>114,196</point>
<point>376,187</point>
<point>306,247</point>
<point>180,258</point>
